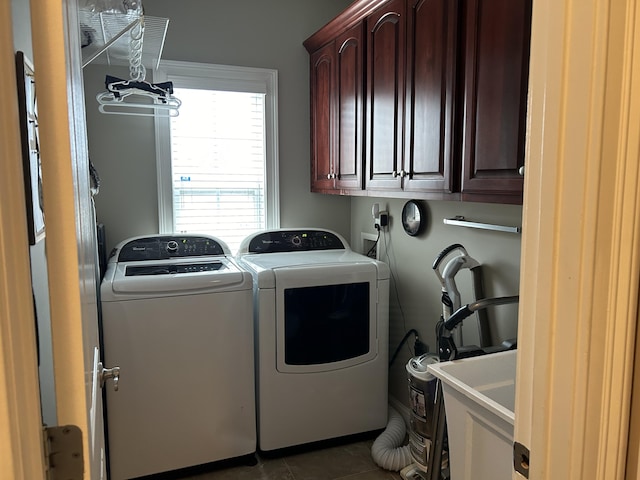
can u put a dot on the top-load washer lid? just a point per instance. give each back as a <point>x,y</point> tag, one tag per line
<point>171,265</point>
<point>175,277</point>
<point>172,268</point>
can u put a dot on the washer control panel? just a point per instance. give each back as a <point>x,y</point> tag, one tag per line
<point>294,241</point>
<point>163,247</point>
<point>172,269</point>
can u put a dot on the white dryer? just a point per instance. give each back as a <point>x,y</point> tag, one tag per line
<point>321,325</point>
<point>178,321</point>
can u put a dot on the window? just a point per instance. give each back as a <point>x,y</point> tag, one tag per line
<point>217,160</point>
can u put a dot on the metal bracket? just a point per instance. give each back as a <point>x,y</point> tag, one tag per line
<point>521,459</point>
<point>63,452</point>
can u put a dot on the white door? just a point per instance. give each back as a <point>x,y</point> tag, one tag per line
<point>70,224</point>
<point>70,252</point>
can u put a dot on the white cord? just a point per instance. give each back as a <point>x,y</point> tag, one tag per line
<point>394,282</point>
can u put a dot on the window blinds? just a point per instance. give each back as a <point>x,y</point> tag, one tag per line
<point>218,164</point>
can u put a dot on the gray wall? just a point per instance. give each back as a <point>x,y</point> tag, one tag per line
<point>270,34</point>
<point>251,33</point>
<point>415,289</point>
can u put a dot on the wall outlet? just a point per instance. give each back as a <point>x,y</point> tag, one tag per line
<point>368,245</point>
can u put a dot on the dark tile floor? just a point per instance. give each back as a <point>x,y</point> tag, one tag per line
<point>346,461</point>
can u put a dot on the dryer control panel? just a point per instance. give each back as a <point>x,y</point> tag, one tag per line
<point>294,241</point>
<point>164,247</point>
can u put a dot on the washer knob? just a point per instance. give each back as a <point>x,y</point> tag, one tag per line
<point>172,246</point>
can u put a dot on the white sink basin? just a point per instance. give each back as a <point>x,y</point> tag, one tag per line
<point>479,398</point>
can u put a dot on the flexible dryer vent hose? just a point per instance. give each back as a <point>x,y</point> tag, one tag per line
<point>387,450</point>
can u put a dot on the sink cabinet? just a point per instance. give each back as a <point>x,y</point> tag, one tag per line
<point>437,111</point>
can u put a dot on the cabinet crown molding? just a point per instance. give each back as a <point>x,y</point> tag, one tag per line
<point>353,14</point>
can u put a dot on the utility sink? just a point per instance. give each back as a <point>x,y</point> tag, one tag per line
<point>479,399</point>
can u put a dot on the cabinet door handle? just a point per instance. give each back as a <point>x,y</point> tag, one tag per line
<point>395,174</point>
<point>403,174</point>
<point>521,171</point>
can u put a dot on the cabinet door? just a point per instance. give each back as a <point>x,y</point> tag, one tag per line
<point>322,118</point>
<point>385,95</point>
<point>430,83</point>
<point>350,115</point>
<point>496,71</point>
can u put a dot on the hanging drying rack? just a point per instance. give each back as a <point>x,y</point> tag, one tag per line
<point>105,32</point>
<point>134,39</point>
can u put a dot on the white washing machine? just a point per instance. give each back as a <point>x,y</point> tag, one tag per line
<point>321,324</point>
<point>178,321</point>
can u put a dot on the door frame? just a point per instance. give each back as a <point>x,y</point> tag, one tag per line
<point>581,259</point>
<point>581,242</point>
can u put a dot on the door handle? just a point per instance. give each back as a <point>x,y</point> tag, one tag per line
<point>105,374</point>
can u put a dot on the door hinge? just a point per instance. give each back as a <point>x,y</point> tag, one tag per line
<point>63,452</point>
<point>521,459</point>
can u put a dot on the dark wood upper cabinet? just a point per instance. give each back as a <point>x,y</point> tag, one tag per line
<point>322,118</point>
<point>496,73</point>
<point>385,95</point>
<point>421,98</point>
<point>350,109</point>
<point>430,95</point>
<point>337,114</point>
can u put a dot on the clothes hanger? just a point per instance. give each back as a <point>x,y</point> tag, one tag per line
<point>137,96</point>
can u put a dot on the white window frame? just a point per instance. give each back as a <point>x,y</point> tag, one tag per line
<point>224,78</point>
